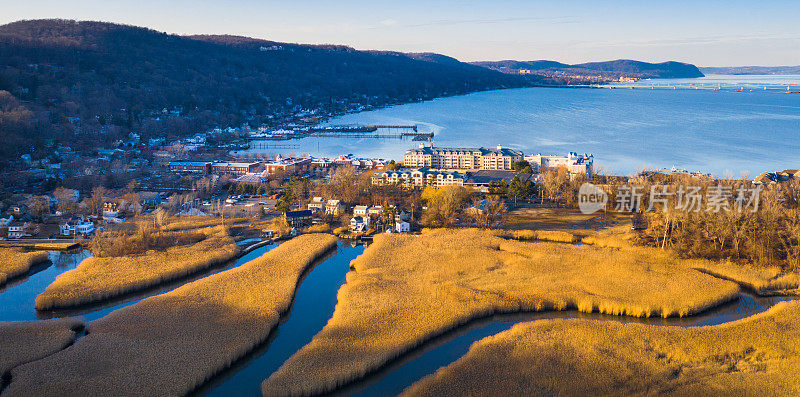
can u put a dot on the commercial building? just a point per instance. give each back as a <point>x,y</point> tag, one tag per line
<point>288,164</point>
<point>422,177</point>
<point>234,168</point>
<point>574,162</point>
<point>190,166</point>
<point>419,177</point>
<point>208,167</point>
<point>499,158</point>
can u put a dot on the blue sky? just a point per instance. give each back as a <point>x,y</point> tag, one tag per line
<point>706,33</point>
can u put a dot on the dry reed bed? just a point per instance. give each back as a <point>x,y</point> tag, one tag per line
<point>761,280</point>
<point>41,246</point>
<point>169,344</point>
<point>557,236</point>
<point>406,290</point>
<point>16,262</point>
<point>26,341</point>
<point>97,279</point>
<point>756,356</point>
<point>188,222</point>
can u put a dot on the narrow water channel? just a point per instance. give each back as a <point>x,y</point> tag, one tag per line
<point>313,305</point>
<point>18,299</point>
<point>446,349</point>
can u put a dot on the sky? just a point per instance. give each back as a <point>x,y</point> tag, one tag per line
<point>702,32</point>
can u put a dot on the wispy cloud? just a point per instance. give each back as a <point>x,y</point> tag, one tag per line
<point>450,22</point>
<point>683,41</point>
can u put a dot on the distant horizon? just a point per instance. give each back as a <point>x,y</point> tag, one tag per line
<point>189,35</point>
<point>712,34</point>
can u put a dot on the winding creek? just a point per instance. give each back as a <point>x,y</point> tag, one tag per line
<point>18,298</point>
<point>313,305</point>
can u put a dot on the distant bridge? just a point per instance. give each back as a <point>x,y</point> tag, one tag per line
<point>789,88</point>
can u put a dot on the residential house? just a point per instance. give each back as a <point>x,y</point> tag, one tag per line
<point>77,227</point>
<point>375,210</point>
<point>360,210</point>
<point>298,219</point>
<point>402,216</point>
<point>402,227</point>
<point>359,224</point>
<point>20,229</point>
<point>334,207</point>
<point>316,204</point>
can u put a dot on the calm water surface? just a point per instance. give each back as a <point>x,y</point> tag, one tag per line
<point>312,307</point>
<point>18,299</point>
<point>710,131</point>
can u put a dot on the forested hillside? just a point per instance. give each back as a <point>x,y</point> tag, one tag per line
<point>90,83</point>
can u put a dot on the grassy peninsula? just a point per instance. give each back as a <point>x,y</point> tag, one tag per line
<point>16,262</point>
<point>405,290</point>
<point>754,356</point>
<point>174,342</point>
<point>100,278</point>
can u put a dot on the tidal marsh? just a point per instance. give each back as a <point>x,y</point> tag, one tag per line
<point>16,262</point>
<point>761,280</point>
<point>174,342</point>
<point>754,356</point>
<point>405,290</point>
<point>97,279</point>
<point>26,341</point>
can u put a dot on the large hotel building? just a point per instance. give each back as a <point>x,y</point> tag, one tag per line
<point>499,158</point>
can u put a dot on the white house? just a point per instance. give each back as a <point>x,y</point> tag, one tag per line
<point>77,226</point>
<point>112,217</point>
<point>402,227</point>
<point>316,204</point>
<point>376,210</point>
<point>359,224</point>
<point>18,229</point>
<point>360,210</point>
<point>15,230</point>
<point>334,207</point>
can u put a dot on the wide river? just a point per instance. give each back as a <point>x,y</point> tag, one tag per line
<point>717,131</point>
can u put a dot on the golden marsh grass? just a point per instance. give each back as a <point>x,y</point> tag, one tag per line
<point>170,344</point>
<point>26,341</point>
<point>97,279</point>
<point>16,262</point>
<point>756,356</point>
<point>557,236</point>
<point>407,289</point>
<point>762,280</point>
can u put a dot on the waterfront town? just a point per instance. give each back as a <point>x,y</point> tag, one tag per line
<point>77,194</point>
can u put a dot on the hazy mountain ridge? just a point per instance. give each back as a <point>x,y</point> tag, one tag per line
<point>608,69</point>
